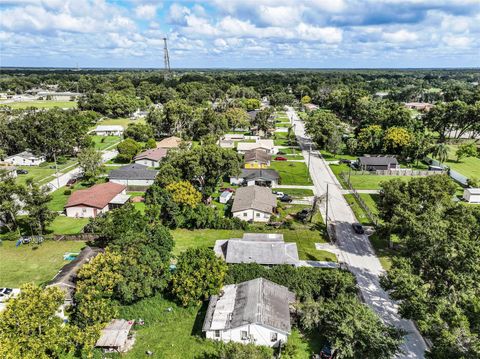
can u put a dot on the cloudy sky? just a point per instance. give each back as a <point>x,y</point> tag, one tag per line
<point>241,33</point>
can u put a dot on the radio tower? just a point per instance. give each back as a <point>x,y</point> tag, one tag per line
<point>166,58</point>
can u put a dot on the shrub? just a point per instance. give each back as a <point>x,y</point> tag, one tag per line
<point>67,192</point>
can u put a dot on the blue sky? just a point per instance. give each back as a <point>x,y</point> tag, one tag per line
<point>241,33</point>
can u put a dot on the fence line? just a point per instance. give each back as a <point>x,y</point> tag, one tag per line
<point>373,217</point>
<point>454,174</point>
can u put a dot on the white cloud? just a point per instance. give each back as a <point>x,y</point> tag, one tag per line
<point>279,15</point>
<point>147,12</point>
<point>457,41</point>
<point>400,36</point>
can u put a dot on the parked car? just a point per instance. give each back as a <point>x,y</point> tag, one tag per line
<point>343,160</point>
<point>303,214</point>
<point>5,294</point>
<point>71,182</point>
<point>286,198</point>
<point>280,158</point>
<point>278,194</point>
<point>327,353</point>
<point>22,172</point>
<point>358,228</point>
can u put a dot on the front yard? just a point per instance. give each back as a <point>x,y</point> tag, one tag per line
<point>103,142</point>
<point>45,172</point>
<point>292,173</point>
<point>31,263</point>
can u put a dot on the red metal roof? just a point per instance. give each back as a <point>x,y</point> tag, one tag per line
<point>97,196</point>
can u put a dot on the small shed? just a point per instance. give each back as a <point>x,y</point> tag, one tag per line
<point>116,336</point>
<point>225,196</point>
<point>471,195</point>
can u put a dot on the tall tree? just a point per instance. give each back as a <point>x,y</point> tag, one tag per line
<point>36,199</point>
<point>90,162</point>
<point>10,207</point>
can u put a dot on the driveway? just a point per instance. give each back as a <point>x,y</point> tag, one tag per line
<point>353,248</point>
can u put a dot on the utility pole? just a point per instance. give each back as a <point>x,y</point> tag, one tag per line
<point>309,153</point>
<point>56,169</point>
<point>166,58</point>
<point>326,212</point>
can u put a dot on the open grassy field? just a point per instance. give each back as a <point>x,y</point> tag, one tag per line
<point>292,173</point>
<point>305,239</point>
<point>103,142</point>
<point>119,121</point>
<point>469,167</point>
<point>328,156</point>
<point>175,332</point>
<point>30,263</point>
<point>67,225</point>
<point>41,104</point>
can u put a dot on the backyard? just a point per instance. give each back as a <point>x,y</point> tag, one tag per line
<point>119,121</point>
<point>103,142</point>
<point>33,263</point>
<point>469,167</point>
<point>292,173</point>
<point>41,104</point>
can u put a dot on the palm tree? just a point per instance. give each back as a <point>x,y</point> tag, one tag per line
<point>440,152</point>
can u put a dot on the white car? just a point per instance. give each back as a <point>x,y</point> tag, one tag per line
<point>279,194</point>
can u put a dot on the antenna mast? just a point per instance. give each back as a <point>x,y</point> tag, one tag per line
<point>166,58</point>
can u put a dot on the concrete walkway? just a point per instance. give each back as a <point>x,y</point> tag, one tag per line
<point>318,264</point>
<point>354,249</point>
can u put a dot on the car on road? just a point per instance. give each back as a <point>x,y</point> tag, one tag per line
<point>71,182</point>
<point>343,160</point>
<point>278,194</point>
<point>22,172</point>
<point>358,228</point>
<point>280,158</point>
<point>286,198</point>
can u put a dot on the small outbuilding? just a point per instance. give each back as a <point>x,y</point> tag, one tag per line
<point>109,130</point>
<point>256,312</point>
<point>25,158</point>
<point>116,336</point>
<point>225,197</point>
<point>374,163</point>
<point>471,195</point>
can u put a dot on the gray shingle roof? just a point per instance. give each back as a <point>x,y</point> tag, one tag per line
<point>258,301</point>
<point>133,171</point>
<point>257,155</point>
<point>254,197</point>
<point>377,161</point>
<point>257,174</point>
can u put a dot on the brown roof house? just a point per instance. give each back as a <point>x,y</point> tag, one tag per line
<point>101,198</point>
<point>254,203</point>
<point>257,158</point>
<point>256,311</point>
<point>151,158</point>
<point>170,142</point>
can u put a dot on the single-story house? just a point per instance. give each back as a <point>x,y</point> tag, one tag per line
<point>65,279</point>
<point>256,311</point>
<point>419,106</point>
<point>170,142</point>
<point>100,198</point>
<point>257,158</point>
<point>116,337</point>
<point>135,176</point>
<point>58,96</point>
<point>262,248</point>
<point>311,107</point>
<point>254,203</point>
<point>225,196</point>
<point>109,130</point>
<point>261,144</point>
<point>373,163</point>
<point>471,195</point>
<point>151,158</point>
<point>226,143</point>
<point>25,158</point>
<point>260,177</point>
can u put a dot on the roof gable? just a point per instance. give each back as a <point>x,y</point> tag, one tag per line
<point>97,196</point>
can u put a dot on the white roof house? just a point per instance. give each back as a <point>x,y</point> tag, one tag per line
<point>262,144</point>
<point>116,336</point>
<point>256,311</point>
<point>109,130</point>
<point>471,195</point>
<point>25,158</point>
<point>261,248</point>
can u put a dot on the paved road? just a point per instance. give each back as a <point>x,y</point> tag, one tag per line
<point>64,178</point>
<point>355,249</point>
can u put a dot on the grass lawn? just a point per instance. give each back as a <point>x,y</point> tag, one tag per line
<point>469,167</point>
<point>295,192</point>
<point>67,225</point>
<point>328,156</point>
<point>384,253</point>
<point>29,263</point>
<point>280,139</point>
<point>45,172</point>
<point>305,239</point>
<point>371,202</point>
<point>289,151</point>
<point>119,121</point>
<point>292,173</point>
<point>41,104</point>
<point>102,142</point>
<point>283,124</point>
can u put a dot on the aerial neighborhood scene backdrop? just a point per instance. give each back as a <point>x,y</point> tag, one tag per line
<point>240,179</point>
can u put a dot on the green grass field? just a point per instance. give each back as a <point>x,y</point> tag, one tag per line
<point>292,173</point>
<point>328,156</point>
<point>41,104</point>
<point>469,167</point>
<point>29,263</point>
<point>119,121</point>
<point>371,202</point>
<point>295,192</point>
<point>67,225</point>
<point>45,172</point>
<point>102,142</point>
